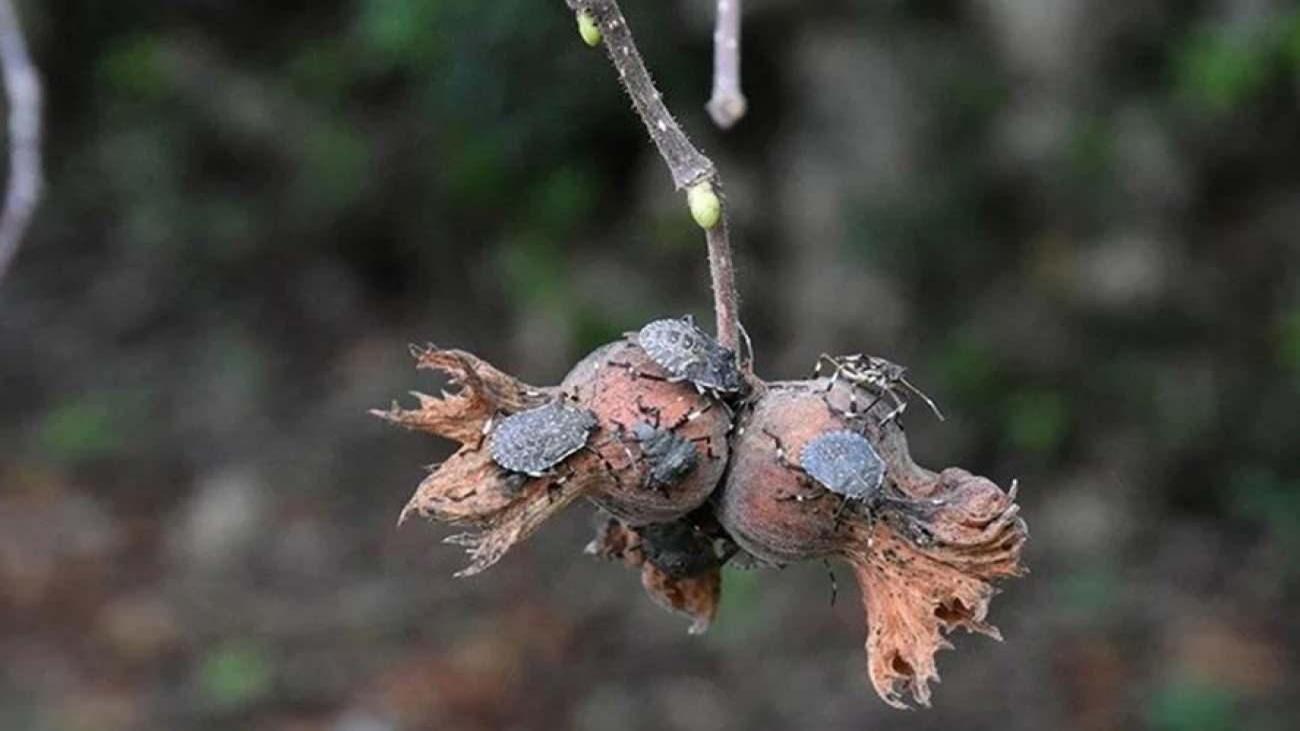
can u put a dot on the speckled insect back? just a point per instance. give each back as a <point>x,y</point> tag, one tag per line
<point>662,440</point>
<point>532,442</point>
<point>670,456</point>
<point>845,463</point>
<point>688,353</point>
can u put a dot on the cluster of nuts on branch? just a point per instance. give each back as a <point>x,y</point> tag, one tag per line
<point>699,462</point>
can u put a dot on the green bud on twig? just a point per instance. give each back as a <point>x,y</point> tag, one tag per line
<point>588,29</point>
<point>706,209</point>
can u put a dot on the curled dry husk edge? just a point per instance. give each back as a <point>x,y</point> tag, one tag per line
<point>469,489</point>
<point>918,585</point>
<point>695,595</point>
<point>916,591</point>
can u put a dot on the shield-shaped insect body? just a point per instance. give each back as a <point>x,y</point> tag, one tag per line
<point>845,463</point>
<point>671,457</point>
<point>532,442</point>
<point>688,353</point>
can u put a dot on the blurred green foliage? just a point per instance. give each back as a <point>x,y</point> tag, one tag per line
<point>133,68</point>
<point>1219,68</point>
<point>1089,594</point>
<point>1289,343</point>
<point>235,673</point>
<point>81,428</point>
<point>1037,420</point>
<point>1192,706</point>
<point>534,267</point>
<point>409,33</point>
<point>1262,496</point>
<point>740,616</point>
<point>969,369</point>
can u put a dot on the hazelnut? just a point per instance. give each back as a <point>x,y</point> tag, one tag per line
<point>662,442</point>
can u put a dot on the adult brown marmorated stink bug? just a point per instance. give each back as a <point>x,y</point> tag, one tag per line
<point>877,373</point>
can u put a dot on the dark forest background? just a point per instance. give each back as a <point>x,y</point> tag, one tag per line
<point>1077,221</point>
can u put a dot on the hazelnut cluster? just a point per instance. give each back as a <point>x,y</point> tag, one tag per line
<point>698,463</point>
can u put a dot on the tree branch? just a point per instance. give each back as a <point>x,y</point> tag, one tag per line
<point>726,302</point>
<point>727,105</point>
<point>688,166</point>
<point>23,91</point>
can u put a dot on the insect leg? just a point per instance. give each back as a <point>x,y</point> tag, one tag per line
<point>839,512</point>
<point>553,486</point>
<point>928,401</point>
<point>654,411</point>
<point>835,586</point>
<point>605,464</point>
<point>899,407</point>
<point>638,373</point>
<point>708,444</point>
<point>780,450</point>
<point>817,367</point>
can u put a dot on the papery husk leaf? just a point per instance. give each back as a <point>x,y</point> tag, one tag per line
<point>695,597</point>
<point>923,578</point>
<point>470,488</point>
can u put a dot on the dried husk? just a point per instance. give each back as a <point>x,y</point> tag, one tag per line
<point>694,595</point>
<point>469,489</point>
<point>922,574</point>
<point>619,385</point>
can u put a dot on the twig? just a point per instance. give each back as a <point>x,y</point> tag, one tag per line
<point>727,105</point>
<point>726,303</point>
<point>23,90</point>
<point>688,166</point>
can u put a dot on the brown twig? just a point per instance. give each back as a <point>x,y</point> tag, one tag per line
<point>726,302</point>
<point>23,91</point>
<point>687,165</point>
<point>727,105</point>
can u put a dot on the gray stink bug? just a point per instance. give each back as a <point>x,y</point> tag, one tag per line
<point>845,463</point>
<point>532,442</point>
<point>670,456</point>
<point>690,354</point>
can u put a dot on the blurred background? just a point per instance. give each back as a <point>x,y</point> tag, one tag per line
<point>1075,220</point>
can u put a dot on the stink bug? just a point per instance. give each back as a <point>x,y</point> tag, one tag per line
<point>532,442</point>
<point>690,354</point>
<point>845,463</point>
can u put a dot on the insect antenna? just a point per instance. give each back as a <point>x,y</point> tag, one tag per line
<point>748,359</point>
<point>928,401</point>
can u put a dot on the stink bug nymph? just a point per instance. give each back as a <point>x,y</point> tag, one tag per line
<point>845,463</point>
<point>670,456</point>
<point>532,442</point>
<point>690,354</point>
